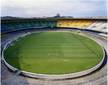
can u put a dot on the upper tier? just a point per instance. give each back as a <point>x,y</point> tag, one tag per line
<point>20,24</point>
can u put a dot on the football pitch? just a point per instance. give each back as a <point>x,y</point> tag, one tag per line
<point>54,53</point>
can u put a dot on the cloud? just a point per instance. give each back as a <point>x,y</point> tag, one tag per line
<point>34,8</point>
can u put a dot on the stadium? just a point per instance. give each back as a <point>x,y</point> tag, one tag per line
<point>54,51</point>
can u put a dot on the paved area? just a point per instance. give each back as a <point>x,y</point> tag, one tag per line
<point>97,78</point>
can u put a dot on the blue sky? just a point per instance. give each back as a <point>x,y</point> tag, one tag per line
<point>40,8</point>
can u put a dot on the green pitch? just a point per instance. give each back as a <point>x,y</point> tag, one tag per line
<point>54,53</point>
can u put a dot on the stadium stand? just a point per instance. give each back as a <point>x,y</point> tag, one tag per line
<point>74,23</point>
<point>14,25</point>
<point>98,26</point>
<point>87,24</point>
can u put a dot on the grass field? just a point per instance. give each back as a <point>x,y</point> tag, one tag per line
<point>54,53</point>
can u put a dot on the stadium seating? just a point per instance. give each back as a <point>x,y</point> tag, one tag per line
<point>98,26</point>
<point>74,23</point>
<point>89,24</point>
<point>13,26</point>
